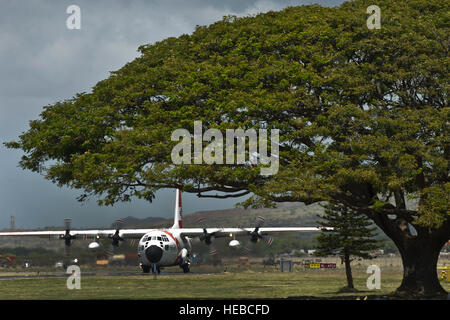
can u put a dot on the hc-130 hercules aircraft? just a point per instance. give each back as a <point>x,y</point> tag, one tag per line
<point>164,247</point>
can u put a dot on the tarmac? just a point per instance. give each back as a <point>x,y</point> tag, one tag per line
<point>110,273</point>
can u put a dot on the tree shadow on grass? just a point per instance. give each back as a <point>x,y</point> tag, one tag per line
<point>342,294</point>
<point>352,297</point>
<point>347,290</point>
<point>362,295</point>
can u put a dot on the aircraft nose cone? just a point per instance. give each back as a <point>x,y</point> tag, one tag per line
<point>153,254</point>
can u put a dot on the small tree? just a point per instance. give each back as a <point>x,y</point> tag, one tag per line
<point>352,236</point>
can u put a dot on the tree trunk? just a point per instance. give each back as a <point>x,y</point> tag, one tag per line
<point>419,252</point>
<point>348,270</point>
<point>420,268</point>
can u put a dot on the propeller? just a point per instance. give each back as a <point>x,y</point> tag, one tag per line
<point>115,238</point>
<point>256,236</point>
<point>67,237</point>
<point>207,237</point>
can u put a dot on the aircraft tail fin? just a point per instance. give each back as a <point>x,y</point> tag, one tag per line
<point>178,218</point>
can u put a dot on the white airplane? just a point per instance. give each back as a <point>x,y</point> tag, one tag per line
<point>164,247</point>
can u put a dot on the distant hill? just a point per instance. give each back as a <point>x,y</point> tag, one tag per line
<point>131,222</point>
<point>286,214</point>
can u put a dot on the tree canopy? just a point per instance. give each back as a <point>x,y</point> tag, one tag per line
<point>363,115</point>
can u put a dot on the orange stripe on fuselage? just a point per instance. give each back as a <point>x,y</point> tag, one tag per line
<point>177,243</point>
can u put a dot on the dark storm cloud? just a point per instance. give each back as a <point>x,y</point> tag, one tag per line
<point>42,62</point>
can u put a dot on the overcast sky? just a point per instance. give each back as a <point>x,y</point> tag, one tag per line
<point>42,61</point>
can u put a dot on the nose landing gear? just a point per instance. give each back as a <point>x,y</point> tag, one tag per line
<point>153,268</point>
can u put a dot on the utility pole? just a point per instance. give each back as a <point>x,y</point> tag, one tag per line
<point>12,223</point>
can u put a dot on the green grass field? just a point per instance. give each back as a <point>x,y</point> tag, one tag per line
<point>305,284</point>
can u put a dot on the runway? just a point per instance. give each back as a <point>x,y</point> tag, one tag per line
<point>101,273</point>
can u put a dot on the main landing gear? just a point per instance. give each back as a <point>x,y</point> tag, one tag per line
<point>185,261</point>
<point>186,267</point>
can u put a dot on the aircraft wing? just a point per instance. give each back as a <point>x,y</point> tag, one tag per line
<point>137,233</point>
<point>225,232</point>
<point>125,233</point>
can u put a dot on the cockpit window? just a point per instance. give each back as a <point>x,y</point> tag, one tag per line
<point>163,237</point>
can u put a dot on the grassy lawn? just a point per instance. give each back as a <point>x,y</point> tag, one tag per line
<point>323,284</point>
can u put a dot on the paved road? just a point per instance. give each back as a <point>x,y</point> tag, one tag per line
<point>61,274</point>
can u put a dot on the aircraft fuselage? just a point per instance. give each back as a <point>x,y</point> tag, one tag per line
<point>162,248</point>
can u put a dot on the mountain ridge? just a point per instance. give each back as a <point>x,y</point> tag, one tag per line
<point>286,214</point>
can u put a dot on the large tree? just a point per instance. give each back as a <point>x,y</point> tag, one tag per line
<point>363,119</point>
